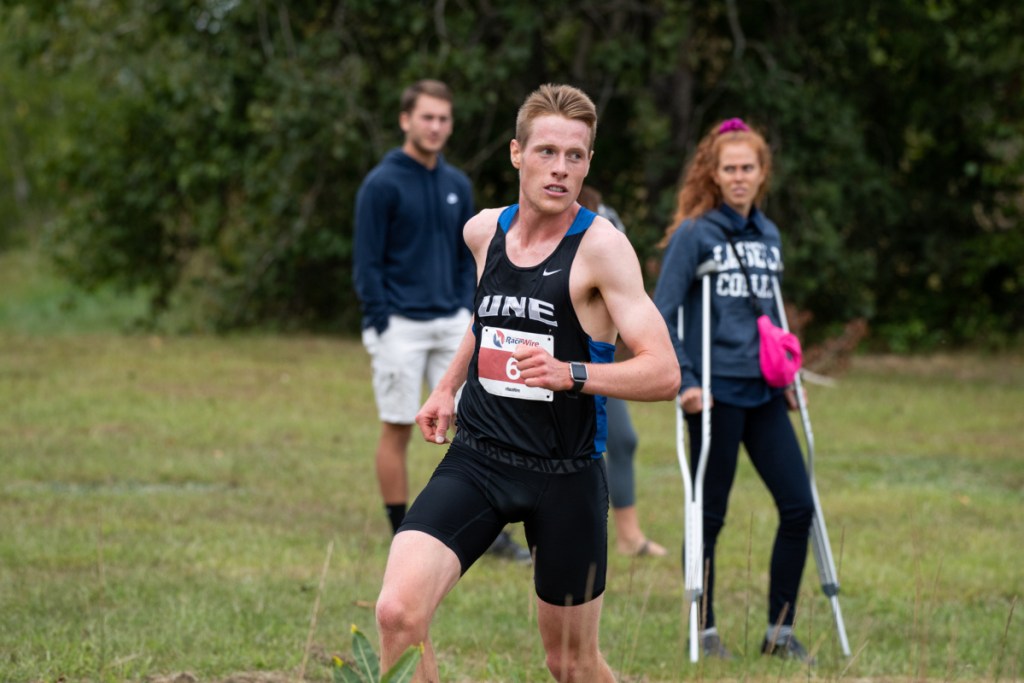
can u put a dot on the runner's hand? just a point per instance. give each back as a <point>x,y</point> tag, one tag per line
<point>435,417</point>
<point>538,368</point>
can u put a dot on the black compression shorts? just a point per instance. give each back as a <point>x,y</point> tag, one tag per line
<point>472,496</point>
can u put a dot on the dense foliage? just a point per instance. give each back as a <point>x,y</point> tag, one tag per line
<point>210,151</point>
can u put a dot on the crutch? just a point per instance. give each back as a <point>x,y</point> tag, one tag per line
<point>693,487</point>
<point>819,535</point>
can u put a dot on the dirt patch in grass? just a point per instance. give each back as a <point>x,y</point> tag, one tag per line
<point>243,677</point>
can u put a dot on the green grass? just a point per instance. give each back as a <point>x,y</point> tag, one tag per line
<point>34,299</point>
<point>166,505</point>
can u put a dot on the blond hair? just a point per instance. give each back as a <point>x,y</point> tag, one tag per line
<point>561,100</point>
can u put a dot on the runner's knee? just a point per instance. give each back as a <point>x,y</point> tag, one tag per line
<point>563,665</point>
<point>396,615</point>
<point>569,665</point>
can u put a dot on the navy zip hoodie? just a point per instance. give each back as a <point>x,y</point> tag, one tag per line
<point>734,336</point>
<point>409,257</point>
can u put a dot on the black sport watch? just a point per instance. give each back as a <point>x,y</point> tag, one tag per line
<point>578,372</point>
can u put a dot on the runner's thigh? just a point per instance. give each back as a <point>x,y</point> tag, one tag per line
<point>569,531</point>
<point>456,507</point>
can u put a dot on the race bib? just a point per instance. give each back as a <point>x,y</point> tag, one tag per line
<point>498,371</point>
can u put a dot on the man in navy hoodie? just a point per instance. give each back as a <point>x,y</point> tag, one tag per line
<point>415,279</point>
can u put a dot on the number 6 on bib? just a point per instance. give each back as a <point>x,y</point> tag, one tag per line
<point>498,369</point>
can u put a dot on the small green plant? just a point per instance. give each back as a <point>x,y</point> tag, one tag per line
<point>365,666</point>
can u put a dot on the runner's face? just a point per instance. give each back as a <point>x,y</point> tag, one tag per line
<point>553,163</point>
<point>427,127</point>
<point>739,176</point>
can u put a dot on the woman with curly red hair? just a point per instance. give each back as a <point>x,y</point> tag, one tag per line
<point>717,218</point>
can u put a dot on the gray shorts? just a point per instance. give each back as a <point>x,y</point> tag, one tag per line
<point>407,354</point>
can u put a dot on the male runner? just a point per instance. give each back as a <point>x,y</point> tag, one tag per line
<point>556,285</point>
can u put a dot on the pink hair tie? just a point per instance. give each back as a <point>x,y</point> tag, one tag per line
<point>731,125</point>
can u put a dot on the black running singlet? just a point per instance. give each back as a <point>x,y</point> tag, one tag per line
<point>531,306</point>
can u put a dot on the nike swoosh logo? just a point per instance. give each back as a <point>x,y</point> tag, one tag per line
<point>550,272</point>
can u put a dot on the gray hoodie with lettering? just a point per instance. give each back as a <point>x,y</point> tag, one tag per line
<point>734,337</point>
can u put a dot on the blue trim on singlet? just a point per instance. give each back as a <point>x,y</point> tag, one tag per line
<point>584,217</point>
<point>601,352</point>
<point>583,220</point>
<point>508,214</point>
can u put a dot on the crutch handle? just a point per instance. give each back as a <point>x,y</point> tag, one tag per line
<point>709,267</point>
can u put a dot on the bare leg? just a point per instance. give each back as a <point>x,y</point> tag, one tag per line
<point>629,539</point>
<point>570,635</point>
<point>392,475</point>
<point>420,572</point>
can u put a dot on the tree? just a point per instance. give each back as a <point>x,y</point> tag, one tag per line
<point>214,157</point>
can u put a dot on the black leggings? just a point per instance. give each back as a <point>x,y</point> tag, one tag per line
<point>768,436</point>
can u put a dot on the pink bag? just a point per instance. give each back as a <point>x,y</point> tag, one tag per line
<point>780,353</point>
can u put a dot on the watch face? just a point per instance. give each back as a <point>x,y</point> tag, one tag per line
<point>579,372</point>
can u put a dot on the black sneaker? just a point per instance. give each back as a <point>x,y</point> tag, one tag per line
<point>787,647</point>
<point>507,549</point>
<point>711,646</point>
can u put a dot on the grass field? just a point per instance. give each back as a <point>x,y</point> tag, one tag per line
<point>170,505</point>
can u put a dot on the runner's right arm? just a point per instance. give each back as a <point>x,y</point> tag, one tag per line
<point>435,416</point>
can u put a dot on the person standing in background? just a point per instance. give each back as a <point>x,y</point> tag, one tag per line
<point>717,218</point>
<point>622,439</point>
<point>415,280</point>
